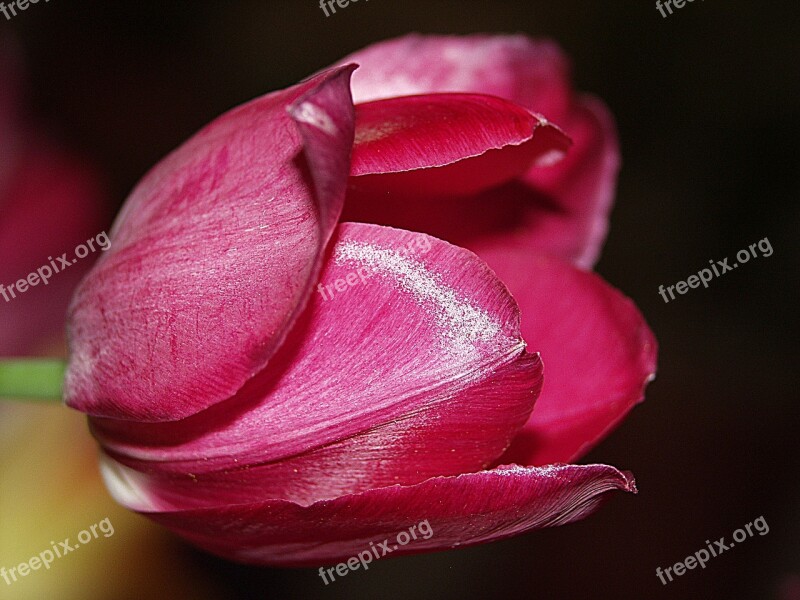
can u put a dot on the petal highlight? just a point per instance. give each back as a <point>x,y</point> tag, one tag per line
<point>531,73</point>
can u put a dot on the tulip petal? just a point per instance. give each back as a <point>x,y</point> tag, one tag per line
<point>598,351</point>
<point>461,433</point>
<point>218,246</point>
<point>413,368</point>
<point>533,74</point>
<point>560,209</point>
<point>446,144</point>
<point>460,511</point>
<point>570,218</point>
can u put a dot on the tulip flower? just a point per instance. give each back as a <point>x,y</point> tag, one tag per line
<point>240,409</point>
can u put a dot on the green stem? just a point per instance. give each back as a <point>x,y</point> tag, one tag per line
<point>31,379</point>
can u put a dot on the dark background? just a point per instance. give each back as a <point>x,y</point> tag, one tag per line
<point>709,119</point>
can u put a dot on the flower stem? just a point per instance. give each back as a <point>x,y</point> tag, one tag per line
<point>31,379</point>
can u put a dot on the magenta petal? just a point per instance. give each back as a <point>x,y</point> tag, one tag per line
<point>214,256</point>
<point>454,433</point>
<point>598,352</point>
<point>408,363</point>
<point>446,144</point>
<point>531,73</point>
<point>463,510</point>
<point>561,209</point>
<point>570,220</point>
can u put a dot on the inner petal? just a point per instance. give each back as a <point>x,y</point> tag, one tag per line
<point>447,145</point>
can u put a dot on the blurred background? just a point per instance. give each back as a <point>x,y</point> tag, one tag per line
<point>708,108</point>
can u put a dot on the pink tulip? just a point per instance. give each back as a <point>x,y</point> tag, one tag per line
<point>244,411</point>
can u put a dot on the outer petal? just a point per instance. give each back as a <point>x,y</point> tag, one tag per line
<point>598,352</point>
<point>431,379</point>
<point>458,432</point>
<point>561,210</point>
<point>214,257</point>
<point>461,511</point>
